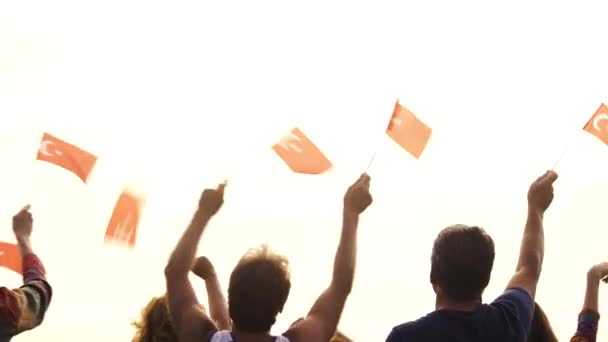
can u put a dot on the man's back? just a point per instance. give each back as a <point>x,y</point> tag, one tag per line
<point>506,319</point>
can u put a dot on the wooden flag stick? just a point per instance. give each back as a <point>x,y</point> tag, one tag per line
<point>370,162</point>
<point>569,141</point>
<point>374,155</point>
<point>560,157</point>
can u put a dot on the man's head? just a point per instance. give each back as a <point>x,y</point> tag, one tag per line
<point>258,289</point>
<point>462,262</point>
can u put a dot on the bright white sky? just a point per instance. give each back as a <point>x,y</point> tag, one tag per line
<point>173,96</point>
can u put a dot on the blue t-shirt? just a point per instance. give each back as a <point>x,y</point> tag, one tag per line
<point>507,319</point>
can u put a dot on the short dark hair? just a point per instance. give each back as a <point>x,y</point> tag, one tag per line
<point>462,261</point>
<point>259,287</point>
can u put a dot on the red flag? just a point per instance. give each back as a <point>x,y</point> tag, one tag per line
<point>10,257</point>
<point>72,158</point>
<point>300,154</point>
<point>122,227</point>
<point>598,124</point>
<point>408,131</point>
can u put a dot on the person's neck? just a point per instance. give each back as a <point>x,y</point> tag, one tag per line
<point>243,336</point>
<point>442,303</point>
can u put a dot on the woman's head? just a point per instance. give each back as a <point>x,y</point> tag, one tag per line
<point>258,290</point>
<point>540,329</point>
<point>155,324</point>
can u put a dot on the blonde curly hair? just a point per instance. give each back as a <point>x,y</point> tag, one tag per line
<point>155,324</point>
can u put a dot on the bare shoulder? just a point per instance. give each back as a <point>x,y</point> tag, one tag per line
<point>304,331</point>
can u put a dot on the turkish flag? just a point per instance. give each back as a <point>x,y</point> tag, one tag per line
<point>122,227</point>
<point>598,124</point>
<point>10,257</point>
<point>72,158</point>
<point>408,131</point>
<point>300,154</point>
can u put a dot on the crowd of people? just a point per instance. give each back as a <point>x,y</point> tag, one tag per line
<point>462,259</point>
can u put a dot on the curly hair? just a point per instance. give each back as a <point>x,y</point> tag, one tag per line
<point>155,324</point>
<point>259,287</point>
<point>540,329</point>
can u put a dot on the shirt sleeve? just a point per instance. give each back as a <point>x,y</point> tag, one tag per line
<point>518,309</point>
<point>24,308</point>
<point>587,326</point>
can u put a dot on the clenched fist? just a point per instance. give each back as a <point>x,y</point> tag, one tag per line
<point>211,200</point>
<point>599,272</point>
<point>22,223</point>
<point>357,197</point>
<point>540,194</point>
<point>203,268</point>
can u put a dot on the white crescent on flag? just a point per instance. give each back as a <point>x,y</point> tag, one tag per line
<point>44,149</point>
<point>599,118</point>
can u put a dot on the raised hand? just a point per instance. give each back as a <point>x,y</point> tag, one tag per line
<point>22,223</point>
<point>599,272</point>
<point>540,194</point>
<point>357,197</point>
<point>211,200</point>
<point>203,268</point>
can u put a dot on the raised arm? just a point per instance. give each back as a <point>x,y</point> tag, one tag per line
<point>322,320</point>
<point>218,307</point>
<point>589,317</point>
<point>532,248</point>
<point>24,308</point>
<point>190,323</point>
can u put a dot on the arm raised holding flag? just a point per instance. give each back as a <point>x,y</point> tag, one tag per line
<point>532,250</point>
<point>189,321</point>
<point>24,308</point>
<point>322,320</point>
<point>518,299</point>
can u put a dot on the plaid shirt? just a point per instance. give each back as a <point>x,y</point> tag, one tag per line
<point>24,308</point>
<point>587,326</point>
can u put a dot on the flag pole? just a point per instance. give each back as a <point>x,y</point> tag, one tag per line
<point>569,142</point>
<point>374,155</point>
<point>561,156</point>
<point>370,162</point>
